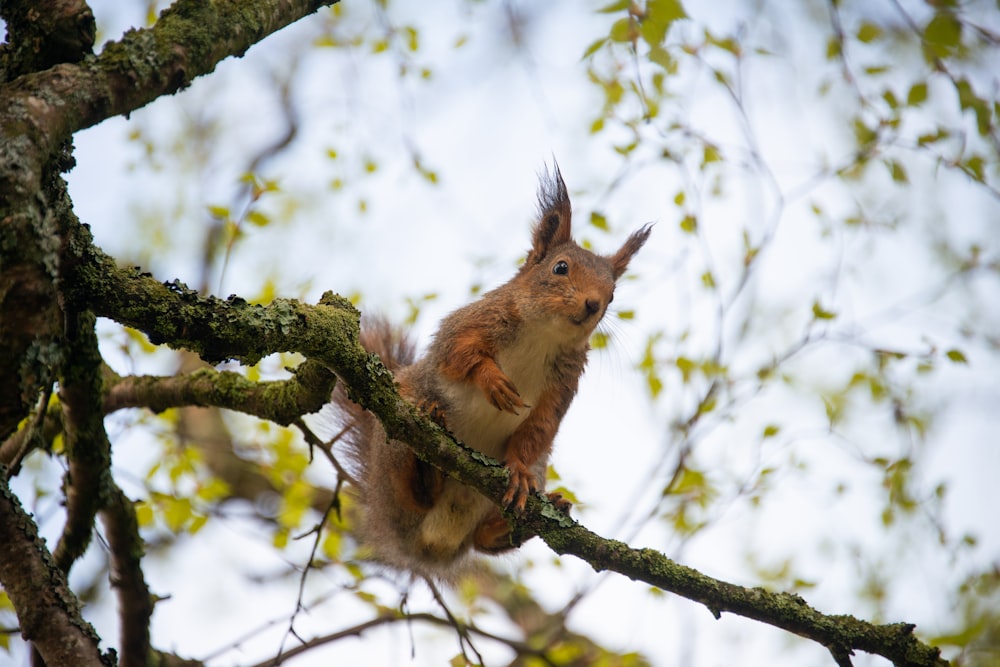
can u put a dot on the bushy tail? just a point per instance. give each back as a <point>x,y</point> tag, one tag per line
<point>359,429</point>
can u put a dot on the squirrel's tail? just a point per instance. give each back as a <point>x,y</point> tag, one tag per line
<point>384,527</point>
<point>389,342</point>
<point>358,426</point>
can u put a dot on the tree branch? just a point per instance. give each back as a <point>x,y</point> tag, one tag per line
<point>48,611</point>
<point>135,604</point>
<point>282,401</point>
<point>88,449</point>
<point>172,314</point>
<point>42,33</point>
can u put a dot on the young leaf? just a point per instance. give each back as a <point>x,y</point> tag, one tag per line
<point>599,220</point>
<point>869,32</point>
<point>957,356</point>
<point>821,313</point>
<point>917,94</point>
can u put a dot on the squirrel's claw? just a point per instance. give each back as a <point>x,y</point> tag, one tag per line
<point>561,503</point>
<point>503,395</point>
<point>522,482</point>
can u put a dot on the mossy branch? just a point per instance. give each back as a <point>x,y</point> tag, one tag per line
<point>280,401</point>
<point>88,449</point>
<point>328,333</point>
<point>48,611</point>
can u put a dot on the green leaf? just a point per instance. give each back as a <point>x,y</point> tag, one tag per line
<point>622,30</point>
<point>220,212</point>
<point>943,34</point>
<point>667,10</point>
<point>821,313</point>
<point>864,135</point>
<point>197,523</point>
<point>974,167</point>
<point>689,224</point>
<point>412,38</point>
<point>686,367</point>
<point>917,94</point>
<point>689,481</point>
<point>594,48</point>
<point>771,430</point>
<point>898,172</point>
<point>957,356</point>
<point>940,135</point>
<point>868,32</point>
<point>833,48</point>
<point>280,538</point>
<point>257,219</point>
<point>660,15</point>
<point>654,383</point>
<point>618,6</point>
<point>725,43</point>
<point>968,99</point>
<point>710,154</point>
<point>332,544</point>
<point>429,174</point>
<point>144,514</point>
<point>599,220</point>
<point>176,512</point>
<point>660,56</point>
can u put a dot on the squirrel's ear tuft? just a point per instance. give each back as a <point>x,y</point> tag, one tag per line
<point>554,215</point>
<point>620,260</point>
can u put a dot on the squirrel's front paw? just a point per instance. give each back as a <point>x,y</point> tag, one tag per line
<point>522,482</point>
<point>500,391</point>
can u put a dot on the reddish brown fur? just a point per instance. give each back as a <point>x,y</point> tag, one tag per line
<point>501,373</point>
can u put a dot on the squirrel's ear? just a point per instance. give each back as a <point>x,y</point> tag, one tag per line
<point>554,216</point>
<point>620,260</point>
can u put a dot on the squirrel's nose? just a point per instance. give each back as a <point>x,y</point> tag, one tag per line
<point>592,305</point>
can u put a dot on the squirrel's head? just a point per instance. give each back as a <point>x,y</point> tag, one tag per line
<point>567,280</point>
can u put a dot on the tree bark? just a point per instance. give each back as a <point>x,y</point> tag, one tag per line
<point>47,610</point>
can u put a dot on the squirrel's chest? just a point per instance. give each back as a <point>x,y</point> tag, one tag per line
<point>477,422</point>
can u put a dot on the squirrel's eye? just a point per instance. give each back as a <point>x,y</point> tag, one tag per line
<point>560,268</point>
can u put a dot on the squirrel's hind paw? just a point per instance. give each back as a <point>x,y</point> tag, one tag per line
<point>561,503</point>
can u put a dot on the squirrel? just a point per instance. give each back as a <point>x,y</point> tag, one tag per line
<point>499,374</point>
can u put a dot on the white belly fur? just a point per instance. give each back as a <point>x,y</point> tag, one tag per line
<point>480,425</point>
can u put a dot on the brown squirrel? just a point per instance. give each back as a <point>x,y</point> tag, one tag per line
<point>499,374</point>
